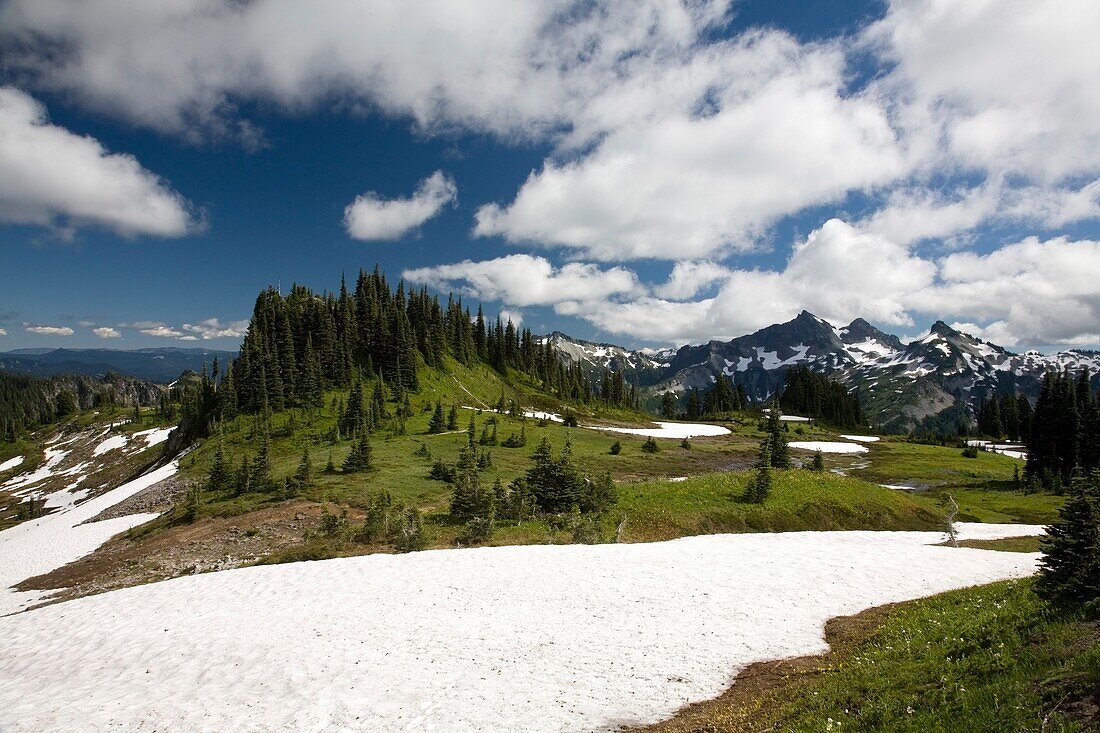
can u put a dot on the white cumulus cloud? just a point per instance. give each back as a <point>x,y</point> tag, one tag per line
<point>212,328</point>
<point>162,331</point>
<point>689,277</point>
<point>51,176</point>
<point>106,332</point>
<point>525,280</point>
<point>50,330</point>
<point>372,217</point>
<point>777,135</point>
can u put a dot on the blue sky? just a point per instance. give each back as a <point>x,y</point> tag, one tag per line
<point>644,173</point>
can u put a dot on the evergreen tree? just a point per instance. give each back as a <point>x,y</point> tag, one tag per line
<point>437,424</point>
<point>694,407</point>
<point>600,495</point>
<point>818,396</point>
<point>219,478</point>
<point>260,476</point>
<point>1054,447</point>
<point>668,405</point>
<point>359,459</point>
<point>243,479</point>
<point>410,532</point>
<point>555,484</point>
<point>192,502</point>
<point>760,485</point>
<point>818,463</point>
<point>778,452</point>
<point>304,475</point>
<point>309,377</point>
<point>720,398</point>
<point>989,418</point>
<point>452,418</point>
<point>1070,568</point>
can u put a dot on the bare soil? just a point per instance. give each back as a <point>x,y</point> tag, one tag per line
<point>211,543</point>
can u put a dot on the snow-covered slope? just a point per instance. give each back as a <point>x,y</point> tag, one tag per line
<point>595,357</point>
<point>80,475</point>
<point>489,639</point>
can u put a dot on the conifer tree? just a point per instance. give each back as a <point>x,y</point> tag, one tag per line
<point>1070,568</point>
<point>437,424</point>
<point>555,484</point>
<point>410,532</point>
<point>668,405</point>
<point>218,478</point>
<point>359,459</point>
<point>260,476</point>
<point>778,452</point>
<point>304,475</point>
<point>466,494</point>
<point>694,407</point>
<point>309,377</point>
<point>760,485</point>
<point>452,418</point>
<point>243,479</point>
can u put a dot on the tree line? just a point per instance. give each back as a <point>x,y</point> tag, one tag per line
<point>816,395</point>
<point>28,402</point>
<point>300,344</point>
<point>1063,439</point>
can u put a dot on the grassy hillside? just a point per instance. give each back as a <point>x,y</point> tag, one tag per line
<point>800,500</point>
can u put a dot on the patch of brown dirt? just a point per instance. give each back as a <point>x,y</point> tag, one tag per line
<point>211,543</point>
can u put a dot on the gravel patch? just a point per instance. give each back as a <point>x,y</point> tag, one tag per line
<point>159,497</point>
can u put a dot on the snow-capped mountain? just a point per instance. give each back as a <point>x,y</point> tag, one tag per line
<point>937,379</point>
<point>864,342</point>
<point>759,360</point>
<point>644,365</point>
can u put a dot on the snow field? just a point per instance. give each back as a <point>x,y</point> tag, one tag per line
<point>54,456</point>
<point>664,429</point>
<point>862,438</point>
<point>47,543</point>
<point>826,446</point>
<point>533,638</point>
<point>667,430</point>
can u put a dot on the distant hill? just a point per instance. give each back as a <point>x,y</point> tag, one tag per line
<point>161,365</point>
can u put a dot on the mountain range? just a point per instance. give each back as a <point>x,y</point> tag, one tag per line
<point>155,365</point>
<point>929,383</point>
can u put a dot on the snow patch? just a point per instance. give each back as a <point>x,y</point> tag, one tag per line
<point>826,446</point>
<point>552,417</point>
<point>534,638</point>
<point>113,443</point>
<point>862,438</point>
<point>155,436</point>
<point>11,463</point>
<point>668,430</point>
